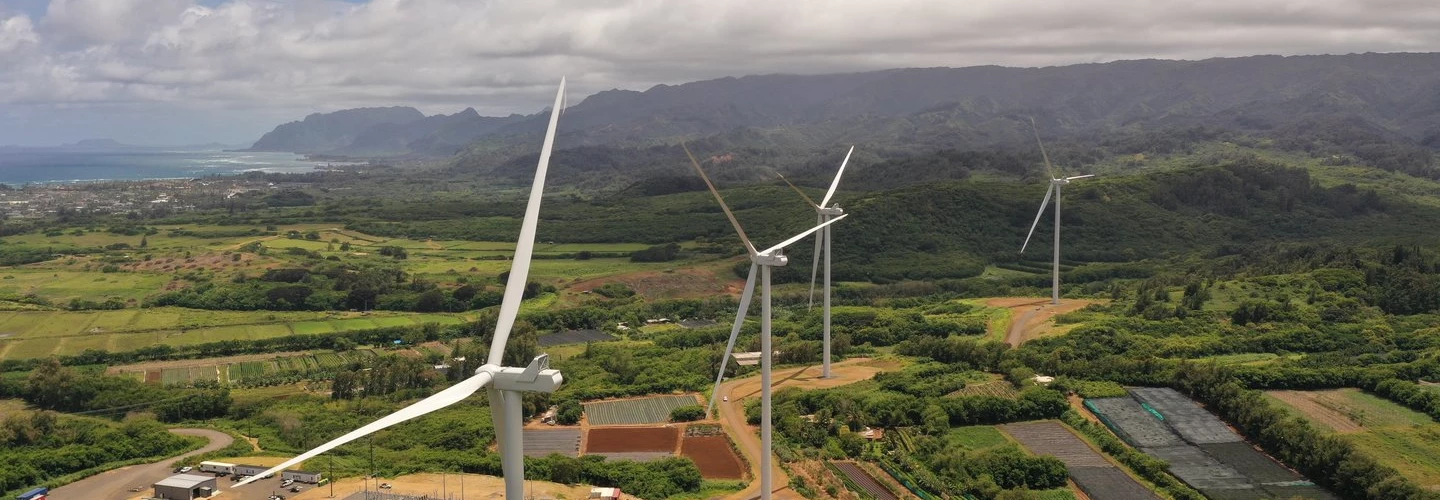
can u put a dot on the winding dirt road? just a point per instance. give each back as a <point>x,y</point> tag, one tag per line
<point>1029,315</point>
<point>747,437</point>
<point>116,484</point>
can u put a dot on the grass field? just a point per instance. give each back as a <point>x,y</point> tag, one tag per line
<point>1415,452</point>
<point>976,437</point>
<point>32,334</point>
<point>1394,435</point>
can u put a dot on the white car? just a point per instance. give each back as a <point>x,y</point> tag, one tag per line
<point>725,399</point>
<point>186,469</point>
<point>287,482</point>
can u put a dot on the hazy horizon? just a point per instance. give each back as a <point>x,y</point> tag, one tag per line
<point>152,72</point>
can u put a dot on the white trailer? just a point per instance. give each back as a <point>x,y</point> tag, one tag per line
<point>217,467</point>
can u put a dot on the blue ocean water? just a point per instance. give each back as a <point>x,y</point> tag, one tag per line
<point>41,166</point>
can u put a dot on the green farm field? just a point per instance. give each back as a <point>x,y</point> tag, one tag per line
<point>32,334</point>
<point>1394,435</point>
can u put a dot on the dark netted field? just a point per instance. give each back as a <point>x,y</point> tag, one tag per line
<point>1194,423</point>
<point>1133,423</point>
<point>543,442</point>
<point>1098,477</point>
<point>1201,449</point>
<point>573,337</point>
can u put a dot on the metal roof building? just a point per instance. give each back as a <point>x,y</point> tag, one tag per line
<point>185,487</point>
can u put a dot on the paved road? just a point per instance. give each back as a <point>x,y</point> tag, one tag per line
<point>116,484</point>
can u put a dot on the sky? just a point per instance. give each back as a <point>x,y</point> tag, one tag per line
<point>187,72</point>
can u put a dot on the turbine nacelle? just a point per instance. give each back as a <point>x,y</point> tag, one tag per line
<point>537,377</point>
<point>770,259</point>
<point>833,210</point>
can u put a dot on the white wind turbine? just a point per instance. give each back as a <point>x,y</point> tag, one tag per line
<point>1055,184</point>
<point>506,384</point>
<point>764,260</point>
<point>824,211</point>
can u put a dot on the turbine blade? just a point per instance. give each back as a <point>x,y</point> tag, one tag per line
<point>1048,167</point>
<point>815,262</point>
<point>447,397</point>
<point>525,245</point>
<point>800,236</point>
<point>797,190</point>
<point>1079,177</point>
<point>1043,203</point>
<point>723,206</point>
<point>734,332</point>
<point>825,202</point>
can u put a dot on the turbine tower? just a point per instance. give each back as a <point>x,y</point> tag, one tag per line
<point>824,211</point>
<point>1055,183</point>
<point>506,385</point>
<point>764,260</point>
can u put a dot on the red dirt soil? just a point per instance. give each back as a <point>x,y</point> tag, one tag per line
<point>629,439</point>
<point>713,455</point>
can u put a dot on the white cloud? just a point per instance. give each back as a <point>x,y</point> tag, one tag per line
<point>16,32</point>
<point>505,55</point>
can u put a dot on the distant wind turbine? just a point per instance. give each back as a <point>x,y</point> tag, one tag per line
<point>506,384</point>
<point>764,260</point>
<point>824,211</point>
<point>1055,183</point>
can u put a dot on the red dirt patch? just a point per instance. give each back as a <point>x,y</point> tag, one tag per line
<point>152,376</point>
<point>713,455</point>
<point>631,439</point>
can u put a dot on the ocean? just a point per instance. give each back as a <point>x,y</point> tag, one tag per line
<point>42,166</point>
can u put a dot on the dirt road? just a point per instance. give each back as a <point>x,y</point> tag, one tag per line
<point>116,484</point>
<point>1029,315</point>
<point>747,437</point>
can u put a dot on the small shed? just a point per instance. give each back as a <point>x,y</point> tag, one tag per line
<point>185,487</point>
<point>605,493</point>
<point>301,476</point>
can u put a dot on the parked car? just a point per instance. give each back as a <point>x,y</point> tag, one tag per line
<point>384,486</point>
<point>295,489</point>
<point>286,482</point>
<point>186,469</point>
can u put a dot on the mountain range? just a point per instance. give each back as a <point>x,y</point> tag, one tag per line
<point>1351,101</point>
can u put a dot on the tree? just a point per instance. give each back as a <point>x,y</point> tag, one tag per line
<point>431,301</point>
<point>688,413</point>
<point>569,412</point>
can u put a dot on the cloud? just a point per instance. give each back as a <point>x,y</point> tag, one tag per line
<point>501,56</point>
<point>16,32</point>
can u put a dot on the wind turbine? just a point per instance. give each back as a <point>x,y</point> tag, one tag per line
<point>824,211</point>
<point>764,260</point>
<point>506,384</point>
<point>1055,184</point>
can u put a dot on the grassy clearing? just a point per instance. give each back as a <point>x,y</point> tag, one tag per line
<point>1394,435</point>
<point>976,437</point>
<point>1415,452</point>
<point>33,334</point>
<point>62,285</point>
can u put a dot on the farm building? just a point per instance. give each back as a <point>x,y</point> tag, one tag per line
<point>249,470</point>
<point>301,476</point>
<point>605,493</point>
<point>217,467</point>
<point>185,487</point>
<point>749,358</point>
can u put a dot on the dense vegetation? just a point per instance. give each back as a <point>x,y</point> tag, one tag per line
<point>40,447</point>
